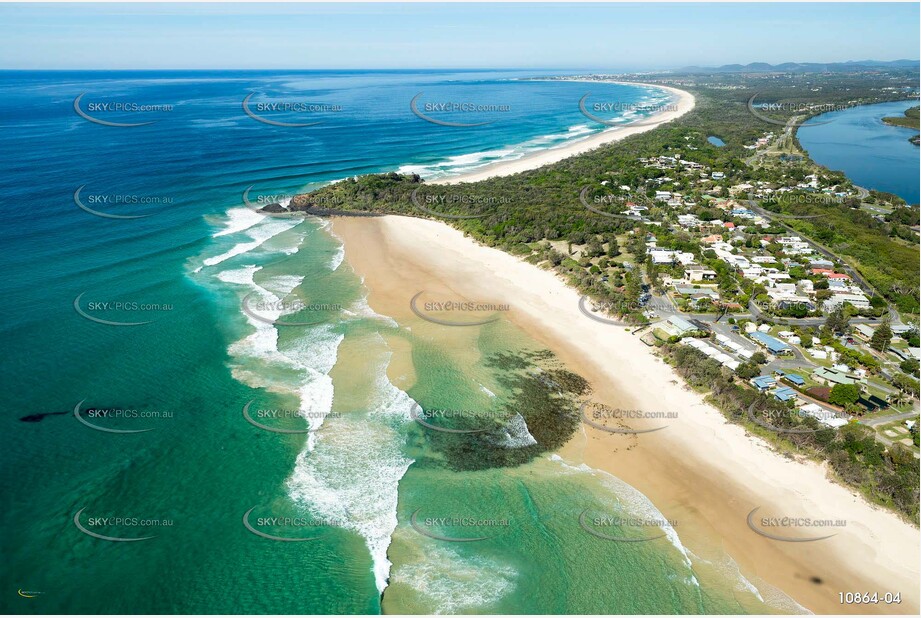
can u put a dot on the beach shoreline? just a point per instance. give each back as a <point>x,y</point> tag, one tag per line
<point>701,470</point>
<point>684,103</point>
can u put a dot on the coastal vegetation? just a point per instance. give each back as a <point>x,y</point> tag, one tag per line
<point>885,475</point>
<point>522,213</point>
<point>568,217</point>
<point>910,121</point>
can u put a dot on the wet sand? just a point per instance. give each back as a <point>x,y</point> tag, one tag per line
<point>701,471</point>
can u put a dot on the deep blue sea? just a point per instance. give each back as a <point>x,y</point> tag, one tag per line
<point>871,153</point>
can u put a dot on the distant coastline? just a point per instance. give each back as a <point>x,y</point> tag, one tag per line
<point>683,104</point>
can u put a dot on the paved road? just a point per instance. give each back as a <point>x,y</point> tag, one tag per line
<point>756,311</point>
<point>882,420</point>
<point>855,276</point>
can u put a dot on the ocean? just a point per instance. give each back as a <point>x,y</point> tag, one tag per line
<point>203,412</point>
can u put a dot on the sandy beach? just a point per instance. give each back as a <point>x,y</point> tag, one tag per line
<point>700,471</point>
<point>683,103</point>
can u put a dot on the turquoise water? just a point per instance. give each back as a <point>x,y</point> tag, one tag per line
<point>716,141</point>
<point>170,321</point>
<point>871,153</point>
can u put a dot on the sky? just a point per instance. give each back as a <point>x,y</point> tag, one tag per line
<point>615,37</point>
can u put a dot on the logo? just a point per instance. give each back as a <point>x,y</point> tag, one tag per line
<point>457,107</point>
<point>265,200</point>
<point>766,425</point>
<point>618,414</point>
<point>453,521</point>
<point>251,421</point>
<point>608,107</point>
<point>275,521</point>
<point>583,523</point>
<point>416,413</point>
<point>117,107</point>
<point>585,311</point>
<point>28,594</point>
<point>86,208</point>
<point>276,107</point>
<point>459,306</point>
<point>439,199</point>
<point>283,306</point>
<point>583,198</point>
<point>117,306</point>
<point>105,521</point>
<point>102,413</point>
<point>790,107</point>
<point>787,522</point>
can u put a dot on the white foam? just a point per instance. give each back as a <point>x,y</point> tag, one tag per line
<point>282,285</point>
<point>258,232</point>
<point>239,219</point>
<point>336,261</point>
<point>451,582</point>
<point>516,434</point>
<point>240,276</point>
<point>312,355</point>
<point>361,309</point>
<point>353,473</point>
<point>634,501</point>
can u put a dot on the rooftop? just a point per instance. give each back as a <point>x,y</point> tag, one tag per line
<point>771,343</point>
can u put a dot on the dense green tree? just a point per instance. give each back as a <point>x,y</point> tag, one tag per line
<point>881,336</point>
<point>844,394</point>
<point>837,321</point>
